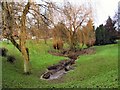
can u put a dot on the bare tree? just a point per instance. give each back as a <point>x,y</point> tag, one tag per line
<point>74,19</point>
<point>8,27</point>
<point>15,18</point>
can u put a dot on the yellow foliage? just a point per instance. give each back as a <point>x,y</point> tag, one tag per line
<point>87,34</point>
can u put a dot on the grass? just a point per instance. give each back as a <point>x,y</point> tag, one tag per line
<point>99,70</point>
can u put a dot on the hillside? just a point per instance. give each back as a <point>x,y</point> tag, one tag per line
<point>91,71</point>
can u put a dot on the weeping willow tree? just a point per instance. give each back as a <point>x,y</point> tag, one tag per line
<point>59,35</point>
<point>89,34</point>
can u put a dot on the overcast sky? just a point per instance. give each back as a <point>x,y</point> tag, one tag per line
<point>102,8</point>
<point>105,8</point>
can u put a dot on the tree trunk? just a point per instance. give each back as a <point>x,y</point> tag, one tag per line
<point>72,45</point>
<point>25,55</point>
<point>23,36</point>
<point>45,40</point>
<point>24,50</point>
<point>26,66</point>
<point>72,41</point>
<point>26,62</point>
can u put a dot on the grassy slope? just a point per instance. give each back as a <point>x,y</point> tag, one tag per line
<point>97,70</point>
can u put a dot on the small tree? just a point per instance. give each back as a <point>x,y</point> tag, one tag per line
<point>89,34</point>
<point>58,34</point>
<point>111,29</point>
<point>100,35</point>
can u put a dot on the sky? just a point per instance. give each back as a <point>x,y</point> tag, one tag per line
<point>105,8</point>
<point>102,8</point>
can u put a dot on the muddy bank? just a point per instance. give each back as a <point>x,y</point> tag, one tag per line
<point>73,54</point>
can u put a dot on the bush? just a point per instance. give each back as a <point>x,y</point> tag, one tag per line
<point>11,59</point>
<point>3,52</point>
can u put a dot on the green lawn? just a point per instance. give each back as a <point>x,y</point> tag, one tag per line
<point>91,71</point>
